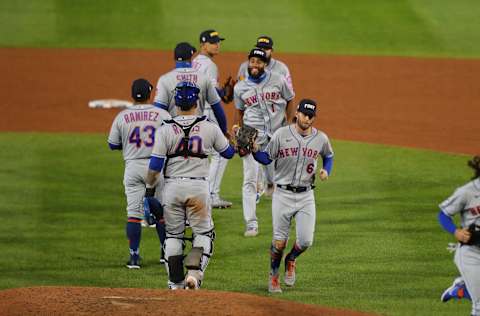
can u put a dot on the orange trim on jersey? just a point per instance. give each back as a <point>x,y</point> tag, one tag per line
<point>134,220</point>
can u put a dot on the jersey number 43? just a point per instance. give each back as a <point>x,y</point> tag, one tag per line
<point>135,136</point>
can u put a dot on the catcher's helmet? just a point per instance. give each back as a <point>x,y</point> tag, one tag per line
<point>186,95</point>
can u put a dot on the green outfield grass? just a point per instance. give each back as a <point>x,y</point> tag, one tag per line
<point>378,246</point>
<point>372,27</point>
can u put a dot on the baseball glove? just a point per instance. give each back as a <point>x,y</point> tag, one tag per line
<point>228,90</point>
<point>245,139</point>
<point>475,235</point>
<point>152,210</point>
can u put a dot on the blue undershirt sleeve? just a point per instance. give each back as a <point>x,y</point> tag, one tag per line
<point>115,146</point>
<point>156,163</point>
<point>220,116</point>
<point>160,105</point>
<point>220,92</point>
<point>262,157</point>
<point>446,222</point>
<point>328,164</point>
<point>228,153</point>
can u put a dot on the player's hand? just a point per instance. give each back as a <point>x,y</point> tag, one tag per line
<point>462,235</point>
<point>255,147</point>
<point>323,174</point>
<point>235,129</point>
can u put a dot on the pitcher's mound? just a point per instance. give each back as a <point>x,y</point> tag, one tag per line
<point>108,301</point>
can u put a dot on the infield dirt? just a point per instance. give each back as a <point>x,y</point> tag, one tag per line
<point>424,103</point>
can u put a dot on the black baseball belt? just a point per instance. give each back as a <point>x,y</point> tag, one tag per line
<point>187,178</point>
<point>295,189</point>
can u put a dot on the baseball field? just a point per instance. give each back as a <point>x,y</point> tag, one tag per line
<point>397,88</point>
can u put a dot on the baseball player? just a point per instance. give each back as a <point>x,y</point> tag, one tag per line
<point>164,97</point>
<point>465,201</point>
<point>203,62</point>
<point>295,150</point>
<point>262,101</point>
<point>265,179</point>
<point>133,132</point>
<point>180,150</point>
<point>273,65</point>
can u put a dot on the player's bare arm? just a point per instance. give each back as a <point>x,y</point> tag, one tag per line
<point>152,178</point>
<point>290,112</point>
<point>238,118</point>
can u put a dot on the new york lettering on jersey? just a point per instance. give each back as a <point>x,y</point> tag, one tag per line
<point>296,156</point>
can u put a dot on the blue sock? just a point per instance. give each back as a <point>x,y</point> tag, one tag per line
<point>275,259</point>
<point>134,233</point>
<point>295,252</point>
<point>160,226</point>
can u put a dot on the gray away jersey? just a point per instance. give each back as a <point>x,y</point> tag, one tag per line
<point>205,136</point>
<point>273,66</point>
<point>166,84</point>
<point>205,65</point>
<point>296,156</point>
<point>466,201</point>
<point>134,128</point>
<point>264,104</point>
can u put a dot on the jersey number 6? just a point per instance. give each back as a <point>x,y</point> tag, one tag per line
<point>136,139</point>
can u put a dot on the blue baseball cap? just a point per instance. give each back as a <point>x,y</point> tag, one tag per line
<point>264,42</point>
<point>210,36</point>
<point>307,107</point>
<point>141,89</point>
<point>259,53</point>
<point>184,51</point>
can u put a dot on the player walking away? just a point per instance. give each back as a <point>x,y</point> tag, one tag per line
<point>180,150</point>
<point>265,179</point>
<point>465,201</point>
<point>294,149</point>
<point>164,97</point>
<point>262,101</point>
<point>203,62</point>
<point>133,132</point>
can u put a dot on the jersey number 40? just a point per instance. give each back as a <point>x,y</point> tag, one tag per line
<point>135,136</point>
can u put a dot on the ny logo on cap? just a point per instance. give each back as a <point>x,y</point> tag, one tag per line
<point>263,40</point>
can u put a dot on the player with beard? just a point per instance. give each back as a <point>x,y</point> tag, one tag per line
<point>294,149</point>
<point>262,101</point>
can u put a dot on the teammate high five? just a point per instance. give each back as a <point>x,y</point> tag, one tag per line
<point>262,101</point>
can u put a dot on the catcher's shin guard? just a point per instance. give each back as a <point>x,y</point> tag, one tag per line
<point>193,259</point>
<point>204,241</point>
<point>176,273</point>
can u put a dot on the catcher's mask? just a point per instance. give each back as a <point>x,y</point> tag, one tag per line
<point>186,95</point>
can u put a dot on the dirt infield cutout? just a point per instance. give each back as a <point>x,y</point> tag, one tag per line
<point>129,302</point>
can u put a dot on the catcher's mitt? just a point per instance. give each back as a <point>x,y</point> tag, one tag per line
<point>245,139</point>
<point>152,210</point>
<point>228,90</point>
<point>475,235</point>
